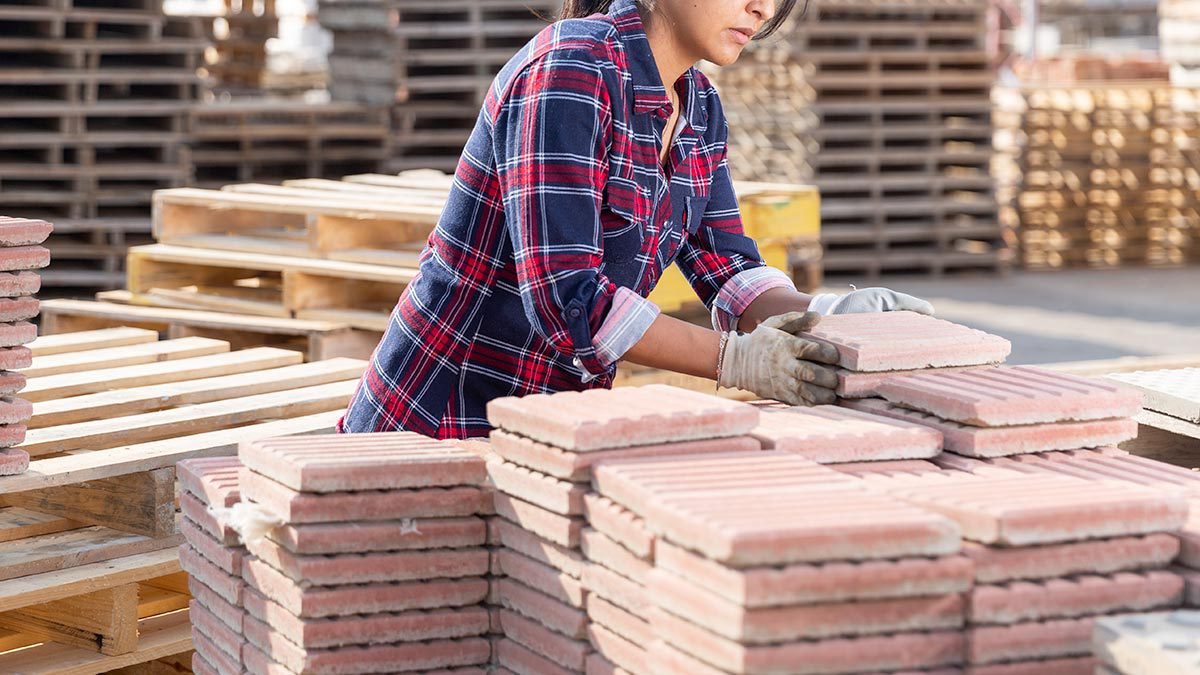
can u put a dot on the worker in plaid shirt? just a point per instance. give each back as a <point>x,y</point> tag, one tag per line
<point>583,179</point>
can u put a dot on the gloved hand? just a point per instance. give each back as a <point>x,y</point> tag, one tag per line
<point>867,300</point>
<point>774,362</point>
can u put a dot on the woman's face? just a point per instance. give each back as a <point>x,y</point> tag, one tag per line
<point>714,30</point>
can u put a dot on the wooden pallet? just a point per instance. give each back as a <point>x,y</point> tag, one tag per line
<point>89,570</point>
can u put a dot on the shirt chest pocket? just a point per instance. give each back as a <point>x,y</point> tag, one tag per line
<point>623,223</point>
<point>686,216</point>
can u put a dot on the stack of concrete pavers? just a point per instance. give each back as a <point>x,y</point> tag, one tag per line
<point>1161,643</point>
<point>876,348</point>
<point>213,557</point>
<point>20,257</point>
<point>574,565</point>
<point>379,563</point>
<point>1051,554</point>
<point>770,563</point>
<point>830,434</point>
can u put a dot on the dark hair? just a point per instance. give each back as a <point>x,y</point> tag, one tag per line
<point>578,9</point>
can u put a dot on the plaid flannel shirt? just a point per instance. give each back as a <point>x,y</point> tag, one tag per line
<point>559,222</point>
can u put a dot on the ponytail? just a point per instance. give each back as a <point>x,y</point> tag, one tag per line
<point>578,9</point>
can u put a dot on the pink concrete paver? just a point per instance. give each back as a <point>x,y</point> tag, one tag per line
<point>228,587</point>
<point>577,466</point>
<point>619,524</point>
<point>1103,556</point>
<point>208,520</point>
<point>1079,665</point>
<point>16,231</point>
<point>1085,595</point>
<point>396,657</point>
<point>829,434</point>
<point>1033,640</point>
<point>562,530</point>
<point>1013,395</point>
<point>18,309</point>
<point>906,341</point>
<point>554,495</point>
<point>361,568</point>
<point>222,636</point>
<point>863,654</point>
<point>361,629</point>
<point>599,419</point>
<point>222,662</point>
<point>802,622</point>
<point>12,434</point>
<point>522,661</point>
<point>227,559</point>
<point>565,651</point>
<point>15,284</point>
<point>559,585</point>
<point>622,653</point>
<point>11,382</point>
<point>382,535</point>
<point>1029,510</point>
<point>13,461</point>
<point>353,462</point>
<point>17,333</point>
<point>533,604</point>
<point>602,550</point>
<point>229,614</point>
<point>201,666</point>
<point>22,258</point>
<point>15,358</point>
<point>317,601</point>
<point>887,467</point>
<point>1095,464</point>
<point>530,545</point>
<point>15,410</point>
<point>820,583</point>
<point>214,480</point>
<point>311,507</point>
<point>739,509</point>
<point>853,384</point>
<point>620,591</point>
<point>1000,441</point>
<point>629,626</point>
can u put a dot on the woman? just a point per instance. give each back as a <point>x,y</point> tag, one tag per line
<point>583,179</point>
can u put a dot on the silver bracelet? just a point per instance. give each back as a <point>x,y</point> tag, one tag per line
<point>721,356</point>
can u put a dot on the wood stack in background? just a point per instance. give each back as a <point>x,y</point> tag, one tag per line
<point>238,60</point>
<point>93,120</point>
<point>901,99</point>
<point>1101,175</point>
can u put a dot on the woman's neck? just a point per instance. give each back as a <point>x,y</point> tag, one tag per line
<point>669,55</point>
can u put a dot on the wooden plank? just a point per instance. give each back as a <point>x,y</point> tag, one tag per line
<point>159,636</point>
<point>104,621</point>
<point>166,316</point>
<point>17,523</point>
<point>93,381</point>
<point>42,588</point>
<point>176,583</point>
<point>45,345</point>
<point>140,503</point>
<point>62,550</point>
<point>192,419</point>
<point>137,400</point>
<point>183,255</point>
<point>176,664</point>
<point>153,600</point>
<point>166,350</point>
<point>77,468</point>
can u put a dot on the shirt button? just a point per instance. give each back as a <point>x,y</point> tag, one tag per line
<point>574,313</point>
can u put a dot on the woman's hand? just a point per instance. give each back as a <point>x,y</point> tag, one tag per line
<point>774,362</point>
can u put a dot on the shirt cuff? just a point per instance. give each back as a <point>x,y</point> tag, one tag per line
<point>629,317</point>
<point>741,290</point>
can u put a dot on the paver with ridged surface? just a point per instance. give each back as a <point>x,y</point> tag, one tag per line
<point>906,341</point>
<point>1100,556</point>
<point>853,384</point>
<point>829,434</point>
<point>1084,595</point>
<point>1094,464</point>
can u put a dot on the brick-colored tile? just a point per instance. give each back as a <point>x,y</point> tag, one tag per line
<point>599,419</point>
<point>353,462</point>
<point>17,333</point>
<point>554,495</point>
<point>382,535</point>
<point>14,284</point>
<point>258,663</point>
<point>619,524</point>
<point>206,519</point>
<point>1034,640</point>
<point>820,583</point>
<point>23,258</point>
<point>222,636</point>
<point>906,341</point>
<point>201,666</point>
<point>309,507</point>
<point>602,550</point>
<point>618,651</point>
<point>1079,665</point>
<point>665,658</point>
<point>577,466</point>
<point>864,654</point>
<point>360,629</point>
<point>853,384</point>
<point>1013,395</point>
<point>739,509</point>
<point>396,657</point>
<point>829,434</point>
<point>887,468</point>
<point>221,662</point>
<point>1173,392</point>
<point>565,651</point>
<point>1096,464</point>
<point>227,558</point>
<point>598,665</point>
<point>620,591</point>
<point>10,435</point>
<point>512,536</point>
<point>13,461</point>
<point>557,584</point>
<point>1029,510</point>
<point>1102,556</point>
<point>18,309</point>
<point>536,605</point>
<point>223,584</point>
<point>522,661</point>
<point>214,480</point>
<point>229,614</point>
<point>380,566</point>
<point>1001,441</point>
<point>629,626</point>
<point>316,601</point>
<point>15,358</point>
<point>562,530</point>
<point>16,231</point>
<point>1085,595</point>
<point>1163,642</point>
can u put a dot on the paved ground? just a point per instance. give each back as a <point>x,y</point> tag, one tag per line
<point>1073,315</point>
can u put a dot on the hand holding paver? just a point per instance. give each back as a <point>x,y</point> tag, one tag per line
<point>775,362</point>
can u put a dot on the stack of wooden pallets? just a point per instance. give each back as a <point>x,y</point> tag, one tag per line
<point>238,61</point>
<point>94,117</point>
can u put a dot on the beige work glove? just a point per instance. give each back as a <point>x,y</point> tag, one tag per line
<point>775,362</point>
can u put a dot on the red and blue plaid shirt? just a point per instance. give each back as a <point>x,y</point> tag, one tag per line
<point>559,223</point>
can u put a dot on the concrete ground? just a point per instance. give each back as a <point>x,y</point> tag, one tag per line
<point>1071,315</point>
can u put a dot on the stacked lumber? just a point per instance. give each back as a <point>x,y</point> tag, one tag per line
<point>1103,175</point>
<point>90,577</point>
<point>1088,67</point>
<point>238,59</point>
<point>94,119</point>
<point>900,130</point>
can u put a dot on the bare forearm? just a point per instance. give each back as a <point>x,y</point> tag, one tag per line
<point>679,346</point>
<point>771,303</point>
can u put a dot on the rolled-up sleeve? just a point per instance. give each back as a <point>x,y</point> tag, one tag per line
<point>551,137</point>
